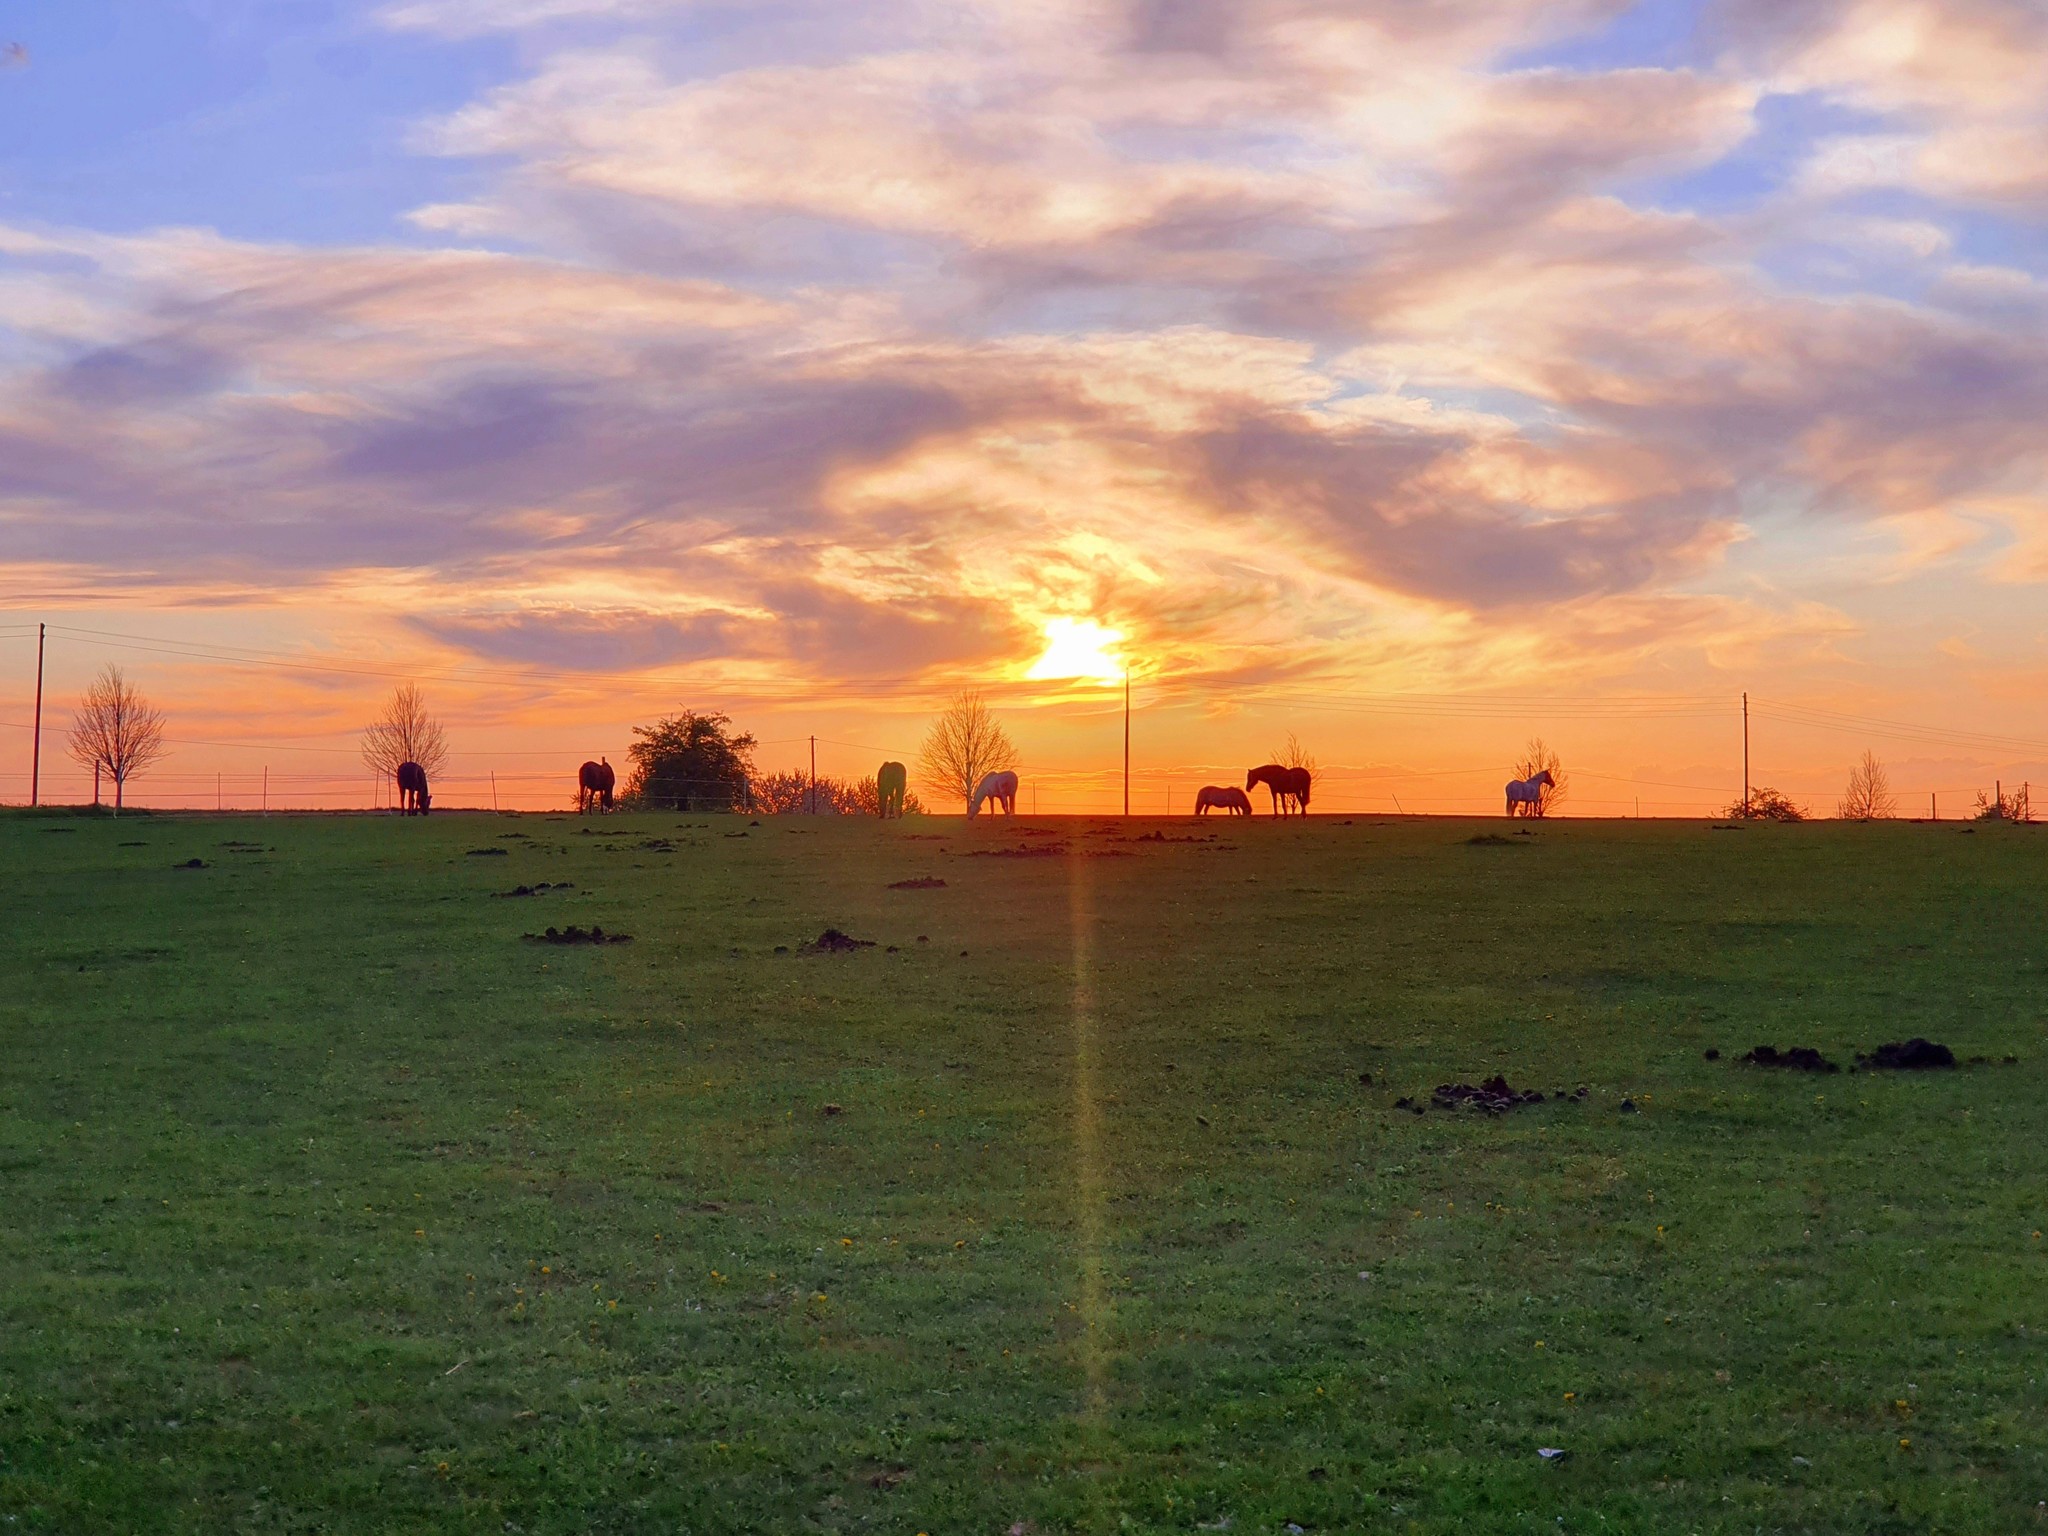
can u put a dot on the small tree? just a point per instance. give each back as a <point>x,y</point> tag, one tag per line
<point>1766,805</point>
<point>1869,796</point>
<point>1294,755</point>
<point>2001,805</point>
<point>1538,758</point>
<point>965,744</point>
<point>405,733</point>
<point>117,729</point>
<point>690,762</point>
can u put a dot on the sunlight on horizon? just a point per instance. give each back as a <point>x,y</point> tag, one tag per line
<point>1079,649</point>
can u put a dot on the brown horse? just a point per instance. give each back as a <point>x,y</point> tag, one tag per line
<point>413,798</point>
<point>1222,797</point>
<point>1285,784</point>
<point>594,783</point>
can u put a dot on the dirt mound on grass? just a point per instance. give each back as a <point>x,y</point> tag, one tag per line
<point>1027,851</point>
<point>1914,1055</point>
<point>1489,840</point>
<point>574,935</point>
<point>1492,1097</point>
<point>921,883</point>
<point>1800,1058</point>
<point>833,942</point>
<point>188,864</point>
<point>536,890</point>
<point>489,853</point>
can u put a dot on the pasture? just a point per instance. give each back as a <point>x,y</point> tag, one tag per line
<point>333,1204</point>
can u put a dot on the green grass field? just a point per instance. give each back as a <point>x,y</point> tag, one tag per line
<point>332,1205</point>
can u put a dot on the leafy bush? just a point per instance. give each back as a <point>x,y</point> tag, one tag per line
<point>1766,804</point>
<point>690,762</point>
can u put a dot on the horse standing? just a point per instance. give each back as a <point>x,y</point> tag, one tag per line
<point>892,782</point>
<point>999,787</point>
<point>1285,784</point>
<point>595,782</point>
<point>1528,793</point>
<point>1222,797</point>
<point>413,798</point>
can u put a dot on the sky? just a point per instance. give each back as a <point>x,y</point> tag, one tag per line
<point>1414,377</point>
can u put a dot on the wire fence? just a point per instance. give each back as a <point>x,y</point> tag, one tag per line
<point>323,774</point>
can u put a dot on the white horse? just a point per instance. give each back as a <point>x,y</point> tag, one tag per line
<point>1528,792</point>
<point>999,787</point>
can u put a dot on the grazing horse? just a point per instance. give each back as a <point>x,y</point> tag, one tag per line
<point>1528,793</point>
<point>594,783</point>
<point>999,787</point>
<point>1222,797</point>
<point>1285,784</point>
<point>413,798</point>
<point>892,782</point>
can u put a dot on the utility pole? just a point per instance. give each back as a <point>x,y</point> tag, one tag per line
<point>494,791</point>
<point>1745,752</point>
<point>35,764</point>
<point>266,789</point>
<point>814,775</point>
<point>1127,741</point>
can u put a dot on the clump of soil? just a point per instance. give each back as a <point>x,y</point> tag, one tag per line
<point>188,864</point>
<point>833,942</point>
<point>1489,840</point>
<point>236,842</point>
<point>1028,851</point>
<point>1161,837</point>
<point>489,853</point>
<point>536,890</point>
<point>574,935</point>
<point>527,835</point>
<point>832,1109</point>
<point>921,883</point>
<point>735,834</point>
<point>1712,1053</point>
<point>1800,1058</point>
<point>124,845</point>
<point>658,845</point>
<point>1492,1097</point>
<point>1914,1055</point>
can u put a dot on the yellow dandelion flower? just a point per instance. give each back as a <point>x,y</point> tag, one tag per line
<point>1571,1397</point>
<point>1539,1343</point>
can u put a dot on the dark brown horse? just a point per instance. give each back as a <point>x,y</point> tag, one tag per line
<point>594,782</point>
<point>413,798</point>
<point>1285,784</point>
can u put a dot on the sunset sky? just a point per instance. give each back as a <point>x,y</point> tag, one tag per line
<point>1415,376</point>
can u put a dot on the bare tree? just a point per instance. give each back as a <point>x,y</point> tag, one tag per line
<point>117,729</point>
<point>405,733</point>
<point>965,744</point>
<point>1869,796</point>
<point>1539,758</point>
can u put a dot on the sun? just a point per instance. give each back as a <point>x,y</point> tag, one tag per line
<point>1079,648</point>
